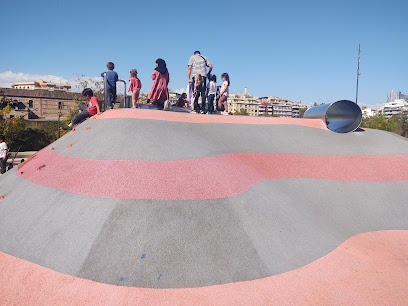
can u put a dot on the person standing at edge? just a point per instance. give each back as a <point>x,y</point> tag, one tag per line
<point>161,78</point>
<point>198,65</point>
<point>111,79</point>
<point>3,155</point>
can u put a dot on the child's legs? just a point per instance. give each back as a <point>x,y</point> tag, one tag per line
<point>223,101</point>
<point>203,95</point>
<point>211,103</point>
<point>82,107</point>
<point>111,95</point>
<point>80,117</point>
<point>3,165</point>
<point>135,97</point>
<point>226,103</point>
<point>196,96</point>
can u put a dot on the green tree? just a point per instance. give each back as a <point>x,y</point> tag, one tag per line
<point>401,121</point>
<point>241,112</point>
<point>11,130</point>
<point>143,98</point>
<point>31,139</point>
<point>6,104</point>
<point>51,129</point>
<point>302,111</point>
<point>316,104</point>
<point>380,122</point>
<point>96,85</point>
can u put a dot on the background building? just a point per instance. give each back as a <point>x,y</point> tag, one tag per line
<point>237,102</point>
<point>40,84</point>
<point>270,105</point>
<point>39,104</point>
<point>368,112</point>
<point>394,108</point>
<point>396,95</point>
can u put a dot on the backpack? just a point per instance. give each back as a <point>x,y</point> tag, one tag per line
<point>167,105</point>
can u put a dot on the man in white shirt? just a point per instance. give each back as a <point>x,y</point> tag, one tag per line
<point>3,154</point>
<point>198,65</point>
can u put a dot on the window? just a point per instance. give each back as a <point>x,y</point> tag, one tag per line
<point>30,103</point>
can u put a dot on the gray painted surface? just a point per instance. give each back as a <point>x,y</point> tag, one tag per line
<point>277,226</point>
<point>274,227</point>
<point>49,227</point>
<point>142,139</point>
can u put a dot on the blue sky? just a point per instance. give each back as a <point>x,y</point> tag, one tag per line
<point>299,50</point>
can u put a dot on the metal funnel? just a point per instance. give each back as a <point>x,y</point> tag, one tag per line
<point>341,117</point>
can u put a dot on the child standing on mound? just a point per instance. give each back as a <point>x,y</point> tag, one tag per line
<point>224,93</point>
<point>134,86</point>
<point>211,91</point>
<point>111,79</point>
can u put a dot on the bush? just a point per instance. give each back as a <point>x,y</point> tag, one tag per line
<point>396,124</point>
<point>18,137</point>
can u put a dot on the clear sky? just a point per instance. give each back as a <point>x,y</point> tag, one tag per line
<point>299,50</point>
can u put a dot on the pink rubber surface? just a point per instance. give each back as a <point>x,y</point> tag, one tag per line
<point>224,175</point>
<point>197,118</point>
<point>367,269</point>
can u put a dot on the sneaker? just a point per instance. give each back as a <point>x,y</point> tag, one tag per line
<point>193,112</point>
<point>66,128</point>
<point>133,106</point>
<point>225,113</point>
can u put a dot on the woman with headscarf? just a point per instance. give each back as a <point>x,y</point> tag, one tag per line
<point>161,78</point>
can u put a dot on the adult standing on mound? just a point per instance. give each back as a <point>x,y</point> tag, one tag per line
<point>198,65</point>
<point>161,79</point>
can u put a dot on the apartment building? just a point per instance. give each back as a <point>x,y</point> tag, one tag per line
<point>393,108</point>
<point>237,102</point>
<point>266,105</point>
<point>40,84</point>
<point>368,112</point>
<point>280,107</point>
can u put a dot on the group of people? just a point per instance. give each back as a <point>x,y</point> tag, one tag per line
<point>197,66</point>
<point>199,90</point>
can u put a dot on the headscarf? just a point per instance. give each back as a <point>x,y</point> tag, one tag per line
<point>161,66</point>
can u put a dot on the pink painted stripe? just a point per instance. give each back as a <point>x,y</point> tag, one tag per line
<point>214,177</point>
<point>367,269</point>
<point>197,118</point>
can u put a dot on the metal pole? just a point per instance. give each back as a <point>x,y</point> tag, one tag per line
<point>124,93</point>
<point>358,70</point>
<point>59,116</point>
<point>105,92</point>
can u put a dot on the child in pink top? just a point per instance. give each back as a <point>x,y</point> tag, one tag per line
<point>134,86</point>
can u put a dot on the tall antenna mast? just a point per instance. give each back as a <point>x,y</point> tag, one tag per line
<point>358,70</point>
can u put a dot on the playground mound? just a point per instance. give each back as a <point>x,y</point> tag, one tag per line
<point>144,206</point>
